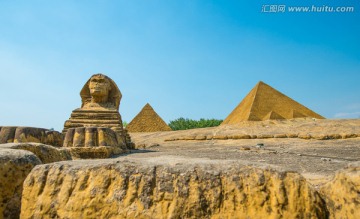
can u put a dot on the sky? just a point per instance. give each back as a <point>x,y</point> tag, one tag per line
<point>187,58</point>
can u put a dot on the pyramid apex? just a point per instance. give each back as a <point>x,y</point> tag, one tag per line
<point>147,105</point>
<point>262,83</point>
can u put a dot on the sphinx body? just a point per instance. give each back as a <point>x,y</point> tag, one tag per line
<point>100,99</point>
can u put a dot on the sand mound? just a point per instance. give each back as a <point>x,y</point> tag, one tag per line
<point>265,103</point>
<point>147,121</point>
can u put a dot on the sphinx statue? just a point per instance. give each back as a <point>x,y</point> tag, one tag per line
<point>100,101</point>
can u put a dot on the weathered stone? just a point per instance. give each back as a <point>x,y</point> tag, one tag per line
<point>93,142</point>
<point>292,135</point>
<point>14,134</point>
<point>100,152</point>
<point>92,137</point>
<point>15,165</point>
<point>79,137</point>
<point>241,136</point>
<point>140,189</point>
<point>347,135</point>
<point>280,136</point>
<point>100,98</point>
<point>46,153</point>
<point>304,136</point>
<point>69,138</point>
<point>189,137</point>
<point>321,137</point>
<point>7,134</point>
<point>209,137</point>
<point>200,137</point>
<point>53,138</point>
<point>342,193</point>
<point>220,137</point>
<point>263,136</point>
<point>335,136</point>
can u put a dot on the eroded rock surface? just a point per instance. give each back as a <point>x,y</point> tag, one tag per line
<point>93,142</point>
<point>15,165</point>
<point>46,153</point>
<point>342,194</point>
<point>166,188</point>
<point>18,134</point>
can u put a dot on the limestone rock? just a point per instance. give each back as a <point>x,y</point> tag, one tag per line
<point>163,189</point>
<point>93,142</point>
<point>342,193</point>
<point>101,152</point>
<point>46,153</point>
<point>15,165</point>
<point>241,136</point>
<point>304,136</point>
<point>280,136</point>
<point>220,137</point>
<point>94,118</point>
<point>292,135</point>
<point>15,134</point>
<point>92,137</point>
<point>200,137</point>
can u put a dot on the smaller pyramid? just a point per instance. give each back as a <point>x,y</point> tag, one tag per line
<point>273,116</point>
<point>296,114</point>
<point>265,103</point>
<point>147,120</point>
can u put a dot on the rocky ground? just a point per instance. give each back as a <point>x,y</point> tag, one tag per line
<point>317,160</point>
<point>273,169</point>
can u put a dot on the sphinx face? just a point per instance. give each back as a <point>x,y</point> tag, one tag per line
<point>99,87</point>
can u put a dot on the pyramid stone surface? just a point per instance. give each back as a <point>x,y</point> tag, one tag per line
<point>264,102</point>
<point>147,121</point>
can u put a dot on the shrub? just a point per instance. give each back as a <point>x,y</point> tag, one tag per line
<point>183,124</point>
<point>125,124</point>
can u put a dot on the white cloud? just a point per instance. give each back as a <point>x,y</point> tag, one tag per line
<point>348,115</point>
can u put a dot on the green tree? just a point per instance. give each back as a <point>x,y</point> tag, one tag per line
<point>183,124</point>
<point>125,124</point>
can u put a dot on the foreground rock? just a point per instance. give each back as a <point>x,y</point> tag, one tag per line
<point>15,165</point>
<point>166,188</point>
<point>46,153</point>
<point>342,193</point>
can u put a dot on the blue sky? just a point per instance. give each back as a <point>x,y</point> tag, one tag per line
<point>187,58</point>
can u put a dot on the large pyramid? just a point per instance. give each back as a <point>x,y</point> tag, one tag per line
<point>265,103</point>
<point>147,121</point>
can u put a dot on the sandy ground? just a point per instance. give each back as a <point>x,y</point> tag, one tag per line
<point>316,160</point>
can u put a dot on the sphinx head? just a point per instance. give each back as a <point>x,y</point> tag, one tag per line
<point>100,91</point>
<point>99,87</point>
